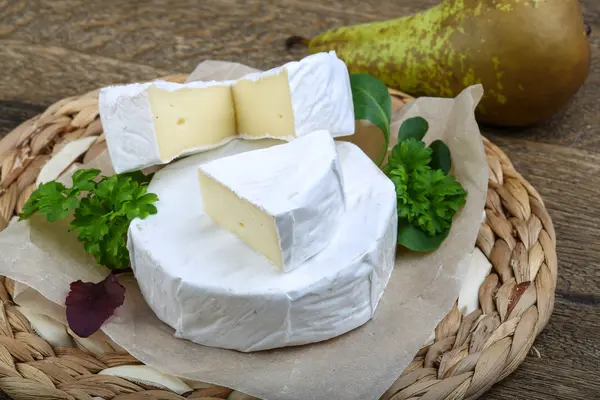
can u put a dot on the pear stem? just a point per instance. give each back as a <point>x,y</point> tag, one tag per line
<point>295,40</point>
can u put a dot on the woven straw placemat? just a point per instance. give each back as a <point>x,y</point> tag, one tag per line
<point>469,354</point>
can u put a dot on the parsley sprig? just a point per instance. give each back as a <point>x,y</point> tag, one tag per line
<point>428,198</point>
<point>102,210</point>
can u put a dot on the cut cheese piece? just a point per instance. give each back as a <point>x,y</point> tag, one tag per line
<point>285,201</point>
<point>153,123</point>
<point>272,115</point>
<point>215,290</point>
<point>296,99</point>
<point>179,117</point>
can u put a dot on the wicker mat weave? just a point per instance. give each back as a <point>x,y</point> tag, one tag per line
<point>469,354</point>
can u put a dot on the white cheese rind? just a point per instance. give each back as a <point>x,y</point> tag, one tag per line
<point>321,99</point>
<point>128,124</point>
<point>321,95</point>
<point>215,291</point>
<point>299,184</point>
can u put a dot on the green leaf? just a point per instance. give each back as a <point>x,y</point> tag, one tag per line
<point>115,252</point>
<point>138,176</point>
<point>123,192</point>
<point>54,202</point>
<point>411,154</point>
<point>415,239</point>
<point>92,248</point>
<point>31,206</point>
<point>102,216</point>
<point>105,189</point>
<point>142,207</point>
<point>83,179</point>
<point>440,156</point>
<point>415,128</point>
<point>373,103</point>
<point>71,202</point>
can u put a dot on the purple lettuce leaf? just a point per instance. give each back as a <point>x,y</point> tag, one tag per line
<point>90,304</point>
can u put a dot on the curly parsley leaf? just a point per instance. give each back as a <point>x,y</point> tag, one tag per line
<point>141,206</point>
<point>102,210</point>
<point>427,198</point>
<point>52,200</point>
<point>441,197</point>
<point>83,179</point>
<point>411,154</point>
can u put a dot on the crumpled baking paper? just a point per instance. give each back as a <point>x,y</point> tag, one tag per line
<point>361,364</point>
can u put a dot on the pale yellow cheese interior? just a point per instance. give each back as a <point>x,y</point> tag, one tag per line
<point>264,107</point>
<point>252,225</point>
<point>191,118</point>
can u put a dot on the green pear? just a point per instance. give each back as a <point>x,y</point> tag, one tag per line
<point>531,56</point>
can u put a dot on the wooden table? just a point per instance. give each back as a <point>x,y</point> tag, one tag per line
<point>50,49</point>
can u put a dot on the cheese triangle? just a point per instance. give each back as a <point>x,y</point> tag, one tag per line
<point>284,201</point>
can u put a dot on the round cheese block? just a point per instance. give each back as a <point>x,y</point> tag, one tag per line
<point>214,290</point>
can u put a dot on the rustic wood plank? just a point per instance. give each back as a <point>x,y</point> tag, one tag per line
<point>250,32</point>
<point>581,344</point>
<point>41,75</point>
<point>568,362</point>
<point>141,32</point>
<point>12,113</point>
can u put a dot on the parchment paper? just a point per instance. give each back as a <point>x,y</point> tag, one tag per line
<point>361,364</point>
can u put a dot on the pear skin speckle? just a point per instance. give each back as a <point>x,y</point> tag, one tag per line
<point>504,7</point>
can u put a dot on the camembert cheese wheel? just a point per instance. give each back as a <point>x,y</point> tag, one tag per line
<point>215,290</point>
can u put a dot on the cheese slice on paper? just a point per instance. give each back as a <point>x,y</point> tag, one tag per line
<point>153,123</point>
<point>285,201</point>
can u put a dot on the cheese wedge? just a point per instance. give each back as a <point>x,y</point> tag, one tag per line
<point>285,202</point>
<point>153,123</point>
<point>296,99</point>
